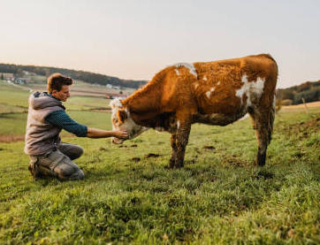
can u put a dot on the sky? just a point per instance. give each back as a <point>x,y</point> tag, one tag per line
<point>134,39</point>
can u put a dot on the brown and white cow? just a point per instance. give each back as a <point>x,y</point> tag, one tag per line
<point>216,93</point>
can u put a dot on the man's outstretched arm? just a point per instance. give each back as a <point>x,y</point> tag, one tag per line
<point>62,120</point>
<point>99,133</point>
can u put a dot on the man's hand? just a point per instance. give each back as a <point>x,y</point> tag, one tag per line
<point>121,134</point>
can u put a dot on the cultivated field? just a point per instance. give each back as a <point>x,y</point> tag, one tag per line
<point>129,196</point>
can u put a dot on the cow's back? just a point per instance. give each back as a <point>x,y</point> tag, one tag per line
<point>223,87</point>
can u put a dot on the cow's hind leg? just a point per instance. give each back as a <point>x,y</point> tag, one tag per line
<point>262,120</point>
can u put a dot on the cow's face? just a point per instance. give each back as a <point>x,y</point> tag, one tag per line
<point>121,120</point>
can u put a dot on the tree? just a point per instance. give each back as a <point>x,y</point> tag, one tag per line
<point>2,77</point>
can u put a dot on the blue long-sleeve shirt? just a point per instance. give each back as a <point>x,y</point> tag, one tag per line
<point>61,119</point>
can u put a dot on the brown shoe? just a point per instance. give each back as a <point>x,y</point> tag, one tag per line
<point>39,172</point>
<point>34,170</point>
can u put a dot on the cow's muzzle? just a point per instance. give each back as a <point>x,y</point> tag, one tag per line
<point>117,141</point>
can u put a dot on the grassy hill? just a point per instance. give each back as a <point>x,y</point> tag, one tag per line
<point>129,196</point>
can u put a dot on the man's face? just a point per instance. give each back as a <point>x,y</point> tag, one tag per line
<point>63,94</point>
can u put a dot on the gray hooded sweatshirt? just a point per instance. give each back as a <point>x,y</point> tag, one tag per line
<point>41,137</point>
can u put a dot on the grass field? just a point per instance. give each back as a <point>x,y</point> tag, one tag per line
<point>129,196</point>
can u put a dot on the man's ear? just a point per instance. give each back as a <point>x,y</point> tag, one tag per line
<point>122,115</point>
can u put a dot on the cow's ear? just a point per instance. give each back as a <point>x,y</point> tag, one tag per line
<point>122,115</point>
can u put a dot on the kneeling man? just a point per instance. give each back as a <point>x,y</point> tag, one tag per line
<point>46,118</point>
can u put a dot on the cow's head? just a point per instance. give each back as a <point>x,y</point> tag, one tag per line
<point>121,120</point>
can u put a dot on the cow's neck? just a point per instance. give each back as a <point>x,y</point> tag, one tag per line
<point>145,105</point>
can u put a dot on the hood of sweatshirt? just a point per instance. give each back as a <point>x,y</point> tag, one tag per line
<point>43,100</point>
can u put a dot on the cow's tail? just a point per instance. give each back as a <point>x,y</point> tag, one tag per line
<point>272,114</point>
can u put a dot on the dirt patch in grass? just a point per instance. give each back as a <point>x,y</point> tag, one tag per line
<point>16,138</point>
<point>136,159</point>
<point>150,155</point>
<point>303,129</point>
<point>209,147</point>
<point>11,138</point>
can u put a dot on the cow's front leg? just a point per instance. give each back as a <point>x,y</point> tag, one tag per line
<point>182,137</point>
<point>174,150</point>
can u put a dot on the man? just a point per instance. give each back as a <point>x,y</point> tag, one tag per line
<point>46,118</point>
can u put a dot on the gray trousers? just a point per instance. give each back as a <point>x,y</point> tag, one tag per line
<point>58,163</point>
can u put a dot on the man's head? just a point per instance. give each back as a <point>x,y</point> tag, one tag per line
<point>58,86</point>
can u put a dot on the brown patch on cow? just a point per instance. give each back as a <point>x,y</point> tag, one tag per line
<point>152,155</point>
<point>209,147</point>
<point>136,159</point>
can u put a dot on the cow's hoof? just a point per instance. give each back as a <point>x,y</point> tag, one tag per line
<point>179,164</point>
<point>261,160</point>
<point>171,163</point>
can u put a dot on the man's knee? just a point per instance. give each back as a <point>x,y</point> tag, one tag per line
<point>72,151</point>
<point>68,172</point>
<point>77,152</point>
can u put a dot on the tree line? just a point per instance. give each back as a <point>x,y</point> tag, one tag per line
<point>308,91</point>
<point>84,76</point>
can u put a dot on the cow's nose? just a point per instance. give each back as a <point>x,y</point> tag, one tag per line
<point>113,140</point>
<point>117,141</point>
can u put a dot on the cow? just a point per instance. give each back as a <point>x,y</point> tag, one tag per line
<point>215,93</point>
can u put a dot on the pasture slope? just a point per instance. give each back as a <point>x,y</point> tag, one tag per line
<point>129,196</point>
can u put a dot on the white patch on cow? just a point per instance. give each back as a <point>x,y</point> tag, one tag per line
<point>116,103</point>
<point>208,94</point>
<point>218,83</point>
<point>178,124</point>
<point>244,117</point>
<point>177,72</point>
<point>205,78</point>
<point>189,66</point>
<point>196,85</point>
<point>250,88</point>
<point>128,125</point>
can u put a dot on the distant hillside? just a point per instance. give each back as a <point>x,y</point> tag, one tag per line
<point>88,77</point>
<point>309,91</point>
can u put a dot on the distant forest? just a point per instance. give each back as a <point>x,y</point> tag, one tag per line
<point>84,76</point>
<point>308,91</point>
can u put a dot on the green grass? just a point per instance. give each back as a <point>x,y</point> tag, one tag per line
<point>130,197</point>
<point>87,103</point>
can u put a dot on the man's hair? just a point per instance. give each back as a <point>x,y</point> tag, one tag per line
<point>56,81</point>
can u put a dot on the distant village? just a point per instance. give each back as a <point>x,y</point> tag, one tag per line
<point>28,78</point>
